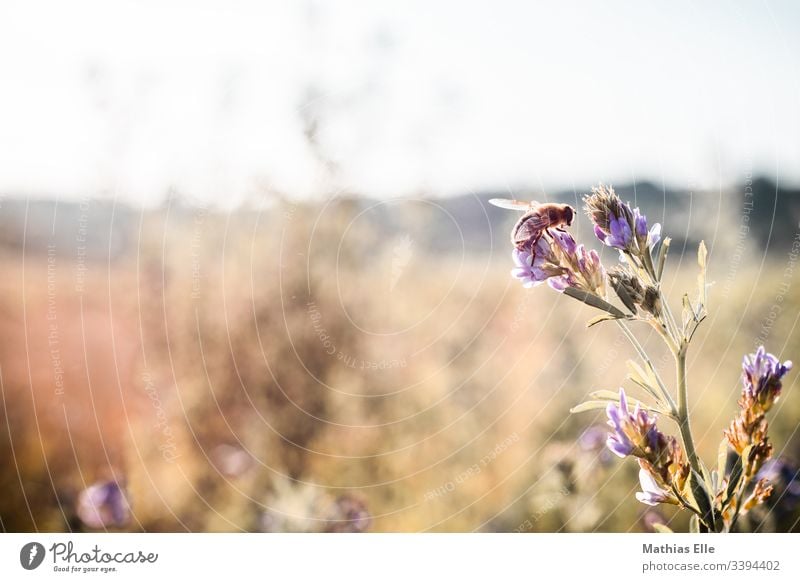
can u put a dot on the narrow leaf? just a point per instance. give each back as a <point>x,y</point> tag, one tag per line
<point>594,301</point>
<point>662,257</point>
<point>709,482</point>
<point>589,405</point>
<point>605,395</point>
<point>694,524</point>
<point>661,528</point>
<point>736,475</point>
<point>636,373</point>
<point>610,396</point>
<point>649,389</point>
<point>600,319</point>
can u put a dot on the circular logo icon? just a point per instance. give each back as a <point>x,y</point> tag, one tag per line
<point>31,555</point>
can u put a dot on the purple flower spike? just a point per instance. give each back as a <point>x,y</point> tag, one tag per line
<point>762,373</point>
<point>103,505</point>
<point>651,493</point>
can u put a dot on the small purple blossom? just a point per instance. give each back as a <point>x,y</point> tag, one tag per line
<point>640,220</point>
<point>651,493</point>
<point>564,240</point>
<point>618,236</point>
<point>631,430</point>
<point>103,505</point>
<point>527,268</point>
<point>654,235</point>
<point>762,373</point>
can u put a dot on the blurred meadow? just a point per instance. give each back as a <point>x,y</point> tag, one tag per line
<point>349,366</point>
<point>251,280</point>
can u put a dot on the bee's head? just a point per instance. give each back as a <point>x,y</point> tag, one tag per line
<point>569,214</point>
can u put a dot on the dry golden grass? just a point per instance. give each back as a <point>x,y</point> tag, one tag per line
<point>248,372</point>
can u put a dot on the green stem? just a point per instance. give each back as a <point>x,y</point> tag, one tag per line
<point>703,498</point>
<point>683,411</point>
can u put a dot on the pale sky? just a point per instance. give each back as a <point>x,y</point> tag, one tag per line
<point>133,98</point>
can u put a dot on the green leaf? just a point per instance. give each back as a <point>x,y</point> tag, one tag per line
<point>645,379</point>
<point>736,474</point>
<point>637,374</point>
<point>611,396</point>
<point>605,395</point>
<point>709,482</point>
<point>594,301</point>
<point>661,528</point>
<point>662,257</point>
<point>694,524</point>
<point>600,319</point>
<point>702,498</point>
<point>589,405</point>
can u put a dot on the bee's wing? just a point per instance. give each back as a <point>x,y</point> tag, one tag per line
<point>512,204</point>
<point>530,227</point>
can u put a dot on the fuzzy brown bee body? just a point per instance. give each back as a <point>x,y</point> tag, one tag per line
<point>537,218</point>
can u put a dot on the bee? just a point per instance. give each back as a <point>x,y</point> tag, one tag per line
<point>537,218</point>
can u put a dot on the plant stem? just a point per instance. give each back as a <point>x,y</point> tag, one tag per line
<point>703,497</point>
<point>683,411</point>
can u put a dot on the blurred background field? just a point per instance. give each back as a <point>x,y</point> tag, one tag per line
<point>351,365</point>
<point>251,280</point>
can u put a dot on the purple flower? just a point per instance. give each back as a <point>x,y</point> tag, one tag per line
<point>640,220</point>
<point>583,269</point>
<point>651,493</point>
<point>103,505</point>
<point>527,269</point>
<point>618,442</point>
<point>559,260</point>
<point>619,234</point>
<point>762,373</point>
<point>633,432</point>
<point>564,240</point>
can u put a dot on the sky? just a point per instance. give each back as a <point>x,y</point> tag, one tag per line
<point>221,100</point>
